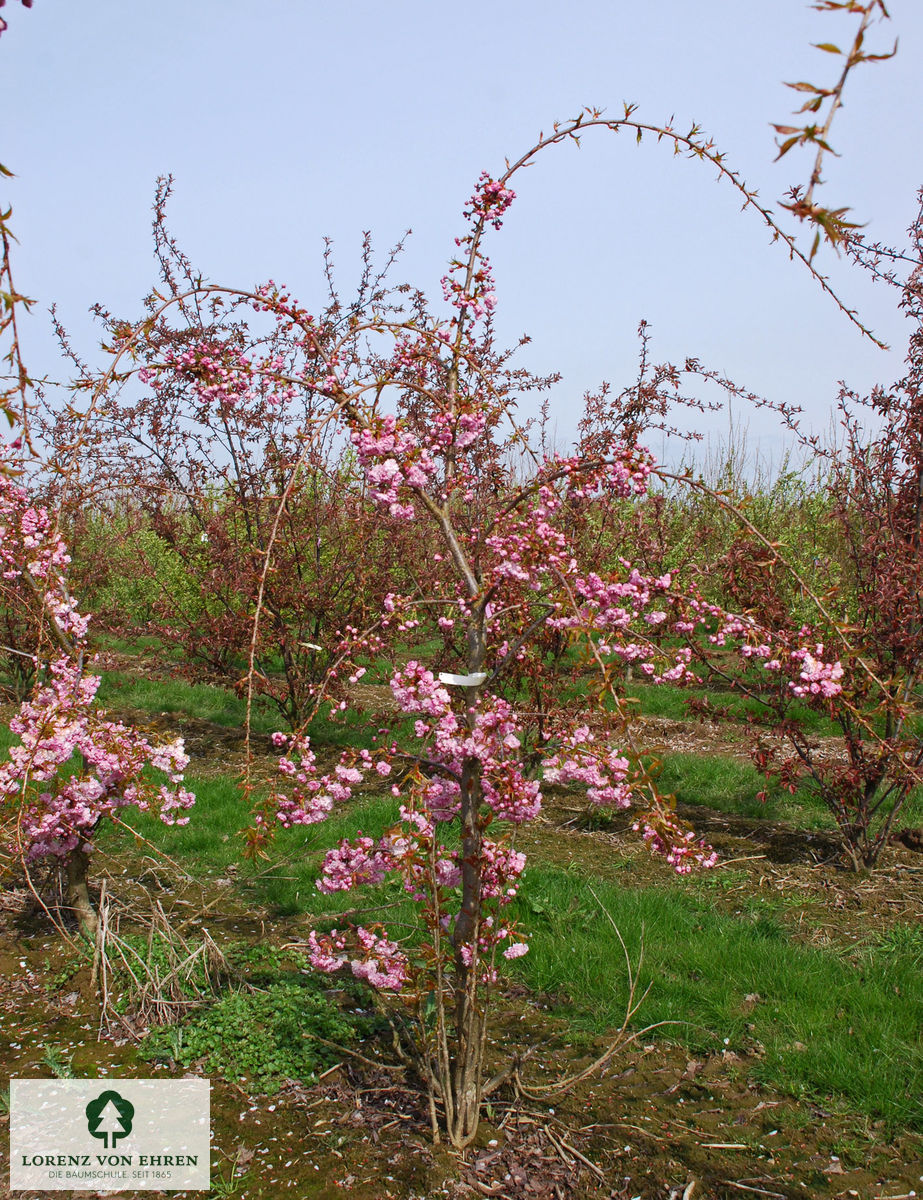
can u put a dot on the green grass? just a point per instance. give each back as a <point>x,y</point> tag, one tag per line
<point>212,842</point>
<point>290,887</point>
<point>732,785</point>
<point>209,702</point>
<point>102,639</point>
<point>828,1026</point>
<point>668,700</point>
<point>201,700</point>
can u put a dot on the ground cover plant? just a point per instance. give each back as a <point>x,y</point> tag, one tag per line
<point>330,514</point>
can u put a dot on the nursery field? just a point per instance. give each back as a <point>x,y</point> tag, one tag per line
<point>784,994</point>
<point>493,783</point>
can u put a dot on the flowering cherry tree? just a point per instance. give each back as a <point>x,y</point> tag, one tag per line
<point>502,574</point>
<point>432,420</point>
<point>72,767</point>
<point>182,477</point>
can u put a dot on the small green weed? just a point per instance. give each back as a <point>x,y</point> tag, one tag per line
<point>55,982</point>
<point>900,941</point>
<point>57,1064</point>
<point>225,1183</point>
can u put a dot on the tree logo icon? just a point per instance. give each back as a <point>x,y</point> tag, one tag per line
<point>110,1116</point>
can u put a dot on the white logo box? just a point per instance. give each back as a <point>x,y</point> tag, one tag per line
<point>109,1135</point>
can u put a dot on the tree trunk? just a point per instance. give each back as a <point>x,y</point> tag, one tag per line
<point>462,1091</point>
<point>464,1111</point>
<point>77,893</point>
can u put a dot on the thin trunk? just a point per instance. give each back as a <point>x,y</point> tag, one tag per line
<point>77,893</point>
<point>463,1089</point>
<point>463,1101</point>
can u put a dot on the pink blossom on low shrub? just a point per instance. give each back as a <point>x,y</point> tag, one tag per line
<point>73,767</point>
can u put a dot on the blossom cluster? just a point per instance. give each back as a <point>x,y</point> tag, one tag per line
<point>221,374</point>
<point>376,959</point>
<point>60,721</point>
<point>392,459</point>
<point>408,848</point>
<point>815,674</point>
<point>489,201</point>
<point>818,678</point>
<point>31,551</point>
<point>310,796</point>
<point>472,293</point>
<point>603,771</point>
<point>527,550</point>
<point>352,864</point>
<point>667,837</point>
<point>431,873</point>
<point>488,735</point>
<point>624,472</point>
<point>626,613</point>
<point>469,284</point>
<point>222,377</point>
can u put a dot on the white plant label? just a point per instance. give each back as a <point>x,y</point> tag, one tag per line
<point>463,680</point>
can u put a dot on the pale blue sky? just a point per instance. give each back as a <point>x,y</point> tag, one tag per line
<point>286,121</point>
